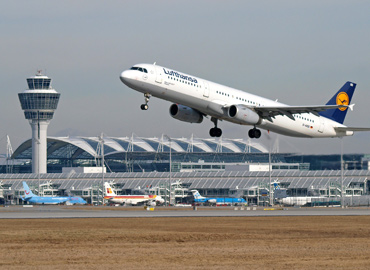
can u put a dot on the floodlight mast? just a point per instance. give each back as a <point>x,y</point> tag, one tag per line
<point>39,102</point>
<point>170,176</point>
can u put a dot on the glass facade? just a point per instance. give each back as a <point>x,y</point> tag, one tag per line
<point>38,83</point>
<point>41,115</point>
<point>39,101</point>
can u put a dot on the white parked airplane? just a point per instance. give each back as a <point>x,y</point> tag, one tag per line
<point>111,196</point>
<point>195,98</point>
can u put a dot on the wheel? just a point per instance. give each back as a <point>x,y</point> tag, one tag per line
<point>251,133</point>
<point>257,133</point>
<point>218,132</point>
<point>144,107</point>
<point>212,132</point>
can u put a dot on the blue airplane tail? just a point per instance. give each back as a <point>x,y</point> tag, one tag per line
<point>276,186</point>
<point>342,97</point>
<point>27,191</point>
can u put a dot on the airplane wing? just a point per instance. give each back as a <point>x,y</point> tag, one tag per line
<point>270,112</point>
<point>351,129</point>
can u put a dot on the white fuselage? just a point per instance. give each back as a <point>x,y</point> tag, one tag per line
<point>210,98</point>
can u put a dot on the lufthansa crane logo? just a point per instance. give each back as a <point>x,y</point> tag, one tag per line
<point>342,99</point>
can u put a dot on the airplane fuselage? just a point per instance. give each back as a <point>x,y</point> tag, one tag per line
<point>55,200</point>
<point>209,98</point>
<point>130,199</point>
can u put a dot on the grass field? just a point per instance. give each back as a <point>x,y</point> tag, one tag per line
<point>312,242</point>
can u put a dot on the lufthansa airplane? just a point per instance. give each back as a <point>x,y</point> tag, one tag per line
<point>194,98</point>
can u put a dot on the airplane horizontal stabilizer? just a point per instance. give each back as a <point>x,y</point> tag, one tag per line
<point>351,129</point>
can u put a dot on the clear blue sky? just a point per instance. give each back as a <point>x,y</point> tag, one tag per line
<point>300,52</point>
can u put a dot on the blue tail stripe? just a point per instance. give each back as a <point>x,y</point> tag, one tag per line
<point>336,114</point>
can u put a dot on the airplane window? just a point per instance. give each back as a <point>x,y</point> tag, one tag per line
<point>134,68</point>
<point>145,70</point>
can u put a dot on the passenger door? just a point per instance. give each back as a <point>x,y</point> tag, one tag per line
<point>322,125</point>
<point>206,89</point>
<point>159,74</point>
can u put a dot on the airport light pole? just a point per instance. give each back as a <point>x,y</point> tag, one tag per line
<point>270,190</point>
<point>341,172</point>
<point>169,186</point>
<point>101,139</point>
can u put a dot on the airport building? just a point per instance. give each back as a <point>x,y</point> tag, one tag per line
<point>39,102</point>
<point>139,154</point>
<point>172,167</point>
<point>253,186</point>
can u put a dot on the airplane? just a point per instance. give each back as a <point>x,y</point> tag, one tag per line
<point>112,197</point>
<point>228,200</point>
<point>299,201</point>
<point>32,198</point>
<point>195,98</point>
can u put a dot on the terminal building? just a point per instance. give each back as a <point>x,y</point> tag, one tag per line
<point>216,167</point>
<point>139,154</point>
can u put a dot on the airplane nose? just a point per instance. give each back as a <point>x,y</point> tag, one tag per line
<point>125,75</point>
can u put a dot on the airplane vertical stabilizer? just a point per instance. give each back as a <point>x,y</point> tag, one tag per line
<point>27,191</point>
<point>109,190</point>
<point>197,195</point>
<point>342,97</point>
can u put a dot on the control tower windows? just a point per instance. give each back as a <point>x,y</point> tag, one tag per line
<point>38,83</point>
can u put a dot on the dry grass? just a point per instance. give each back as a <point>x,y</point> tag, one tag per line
<point>315,242</point>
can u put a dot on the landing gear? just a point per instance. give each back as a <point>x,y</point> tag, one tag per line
<point>145,106</point>
<point>215,132</point>
<point>254,133</point>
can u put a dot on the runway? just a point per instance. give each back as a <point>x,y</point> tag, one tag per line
<point>49,212</point>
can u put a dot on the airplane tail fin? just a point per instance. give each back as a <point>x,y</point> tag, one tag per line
<point>342,97</point>
<point>276,186</point>
<point>27,191</point>
<point>109,190</point>
<point>196,194</point>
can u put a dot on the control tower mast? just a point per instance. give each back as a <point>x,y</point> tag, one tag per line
<point>39,103</point>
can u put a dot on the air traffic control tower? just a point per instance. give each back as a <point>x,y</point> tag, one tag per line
<point>39,103</point>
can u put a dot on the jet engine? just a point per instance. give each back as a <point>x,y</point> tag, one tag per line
<point>186,114</point>
<point>243,115</point>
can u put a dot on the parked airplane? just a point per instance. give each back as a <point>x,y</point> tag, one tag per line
<point>32,198</point>
<point>227,200</point>
<point>111,196</point>
<point>300,201</point>
<point>195,98</point>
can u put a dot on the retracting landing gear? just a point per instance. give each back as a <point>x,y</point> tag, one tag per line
<point>145,106</point>
<point>215,132</point>
<point>254,133</point>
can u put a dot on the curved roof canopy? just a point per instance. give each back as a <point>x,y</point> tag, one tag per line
<point>90,147</point>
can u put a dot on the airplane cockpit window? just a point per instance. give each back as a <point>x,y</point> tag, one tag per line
<point>140,69</point>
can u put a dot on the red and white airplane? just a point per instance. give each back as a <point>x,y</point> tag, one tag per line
<point>112,197</point>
